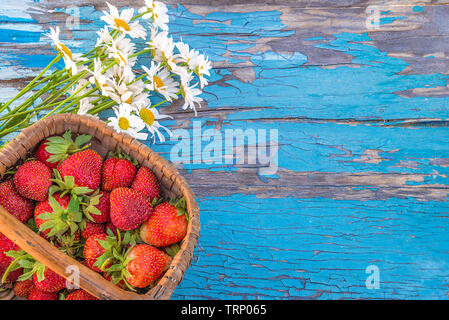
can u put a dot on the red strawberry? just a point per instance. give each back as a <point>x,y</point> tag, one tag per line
<point>98,207</point>
<point>51,282</point>
<point>44,207</point>
<point>56,149</point>
<point>84,167</point>
<point>166,226</point>
<point>91,228</point>
<point>93,250</point>
<point>37,294</point>
<point>146,265</point>
<point>146,183</point>
<point>5,246</point>
<point>24,288</point>
<point>129,209</point>
<point>42,155</point>
<point>80,295</point>
<point>14,203</point>
<point>32,180</point>
<point>117,173</point>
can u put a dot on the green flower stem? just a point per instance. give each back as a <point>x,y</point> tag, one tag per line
<point>71,103</point>
<point>29,86</point>
<point>102,106</point>
<point>158,104</point>
<point>62,91</point>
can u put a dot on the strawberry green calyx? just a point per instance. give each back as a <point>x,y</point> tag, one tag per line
<point>156,202</point>
<point>70,243</point>
<point>115,247</point>
<point>21,260</point>
<point>61,220</point>
<point>118,272</point>
<point>181,206</point>
<point>120,155</point>
<point>89,203</point>
<point>61,147</point>
<point>172,250</point>
<point>67,185</point>
<point>17,255</point>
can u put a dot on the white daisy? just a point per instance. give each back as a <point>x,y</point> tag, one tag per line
<point>201,67</point>
<point>84,106</point>
<point>104,37</point>
<point>70,59</point>
<point>150,117</point>
<point>195,61</point>
<point>156,11</point>
<point>130,94</point>
<point>190,93</point>
<point>103,82</point>
<point>161,82</point>
<point>121,22</point>
<point>186,55</point>
<point>162,48</point>
<point>126,122</point>
<point>121,52</point>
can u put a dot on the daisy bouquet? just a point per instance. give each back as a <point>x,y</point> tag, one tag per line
<point>109,76</point>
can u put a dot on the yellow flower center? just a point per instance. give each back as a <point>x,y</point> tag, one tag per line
<point>147,116</point>
<point>158,83</point>
<point>119,23</point>
<point>120,58</point>
<point>64,50</point>
<point>123,123</point>
<point>129,100</point>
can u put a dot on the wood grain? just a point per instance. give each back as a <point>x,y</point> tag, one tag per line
<point>362,115</point>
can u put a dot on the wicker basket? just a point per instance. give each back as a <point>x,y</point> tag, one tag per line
<point>104,139</point>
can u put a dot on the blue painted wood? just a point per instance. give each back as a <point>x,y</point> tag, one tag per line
<point>363,158</point>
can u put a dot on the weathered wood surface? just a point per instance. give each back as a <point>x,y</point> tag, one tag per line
<point>362,116</point>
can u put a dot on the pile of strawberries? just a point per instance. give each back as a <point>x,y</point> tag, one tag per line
<point>109,215</point>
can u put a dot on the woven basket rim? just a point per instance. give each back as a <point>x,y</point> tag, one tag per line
<point>46,127</point>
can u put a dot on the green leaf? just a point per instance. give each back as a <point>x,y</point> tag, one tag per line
<point>47,216</point>
<point>54,158</point>
<point>40,274</point>
<point>54,204</point>
<point>110,233</point>
<point>67,135</point>
<point>82,139</point>
<point>27,264</point>
<point>81,190</point>
<point>74,205</point>
<point>114,268</point>
<point>115,254</point>
<point>26,276</point>
<point>14,253</point>
<point>56,149</point>
<point>101,260</point>
<point>93,201</point>
<point>69,182</point>
<point>127,238</point>
<point>105,244</point>
<point>78,216</point>
<point>50,224</point>
<point>93,210</point>
<point>73,227</point>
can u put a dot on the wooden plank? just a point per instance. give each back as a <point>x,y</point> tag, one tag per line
<point>362,116</point>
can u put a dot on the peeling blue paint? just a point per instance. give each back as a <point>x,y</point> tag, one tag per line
<point>290,247</point>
